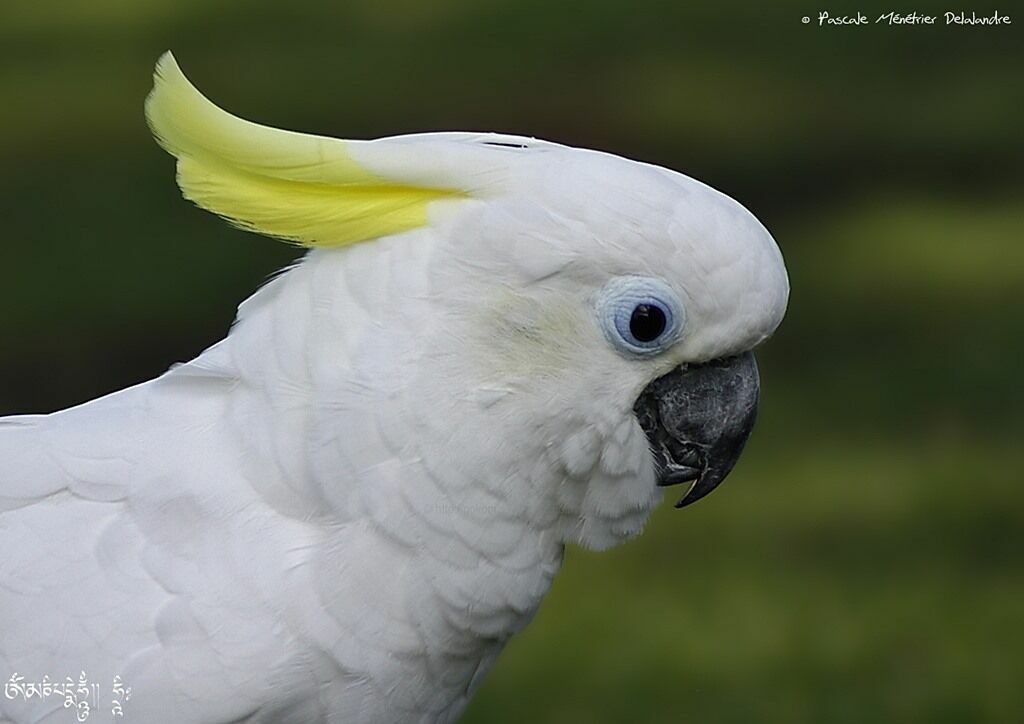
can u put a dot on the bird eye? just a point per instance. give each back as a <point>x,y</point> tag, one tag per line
<point>647,322</point>
<point>640,315</point>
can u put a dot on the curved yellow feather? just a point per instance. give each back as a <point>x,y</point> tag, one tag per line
<point>293,186</point>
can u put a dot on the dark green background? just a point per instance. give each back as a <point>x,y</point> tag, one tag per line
<point>864,562</point>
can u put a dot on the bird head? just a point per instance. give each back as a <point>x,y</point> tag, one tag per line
<point>577,328</point>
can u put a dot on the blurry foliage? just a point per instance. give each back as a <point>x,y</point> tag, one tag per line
<point>864,562</point>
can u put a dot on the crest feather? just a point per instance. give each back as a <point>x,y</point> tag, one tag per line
<point>294,186</point>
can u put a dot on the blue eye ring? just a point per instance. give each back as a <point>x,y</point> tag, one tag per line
<point>640,315</point>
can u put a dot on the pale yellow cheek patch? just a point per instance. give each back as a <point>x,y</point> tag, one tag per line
<point>526,338</point>
<point>293,186</point>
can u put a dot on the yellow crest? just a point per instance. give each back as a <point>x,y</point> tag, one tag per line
<point>303,188</point>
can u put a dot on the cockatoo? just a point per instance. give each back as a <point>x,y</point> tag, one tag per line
<point>495,346</point>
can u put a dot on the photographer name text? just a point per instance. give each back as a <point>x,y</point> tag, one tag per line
<point>893,17</point>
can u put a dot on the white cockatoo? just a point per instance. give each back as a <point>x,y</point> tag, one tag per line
<point>341,512</point>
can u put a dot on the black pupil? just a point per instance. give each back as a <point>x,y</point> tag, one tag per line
<point>647,323</point>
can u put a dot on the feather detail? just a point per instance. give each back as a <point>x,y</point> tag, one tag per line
<point>294,186</point>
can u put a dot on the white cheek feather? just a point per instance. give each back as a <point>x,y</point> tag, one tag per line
<point>580,450</point>
<point>619,456</point>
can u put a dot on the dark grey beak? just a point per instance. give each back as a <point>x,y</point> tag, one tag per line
<point>697,419</point>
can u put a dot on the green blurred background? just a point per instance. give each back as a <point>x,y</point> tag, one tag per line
<point>865,562</point>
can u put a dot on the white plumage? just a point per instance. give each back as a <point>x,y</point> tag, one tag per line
<point>342,511</point>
